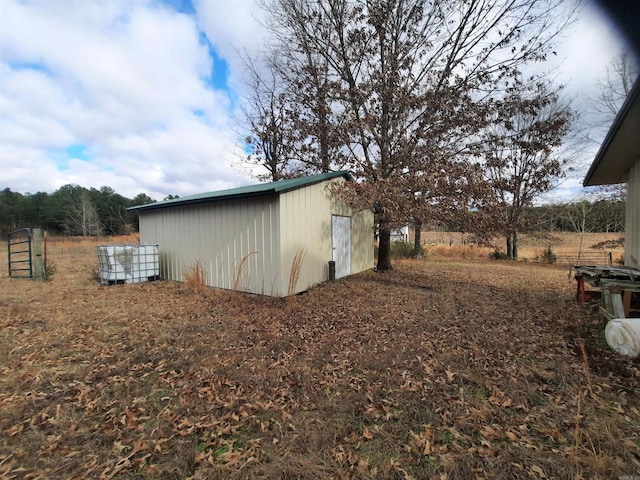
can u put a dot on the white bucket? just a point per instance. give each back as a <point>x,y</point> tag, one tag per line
<point>623,336</point>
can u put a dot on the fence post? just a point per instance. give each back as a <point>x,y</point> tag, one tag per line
<point>38,264</point>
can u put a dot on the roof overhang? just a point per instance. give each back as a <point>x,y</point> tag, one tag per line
<point>250,191</point>
<point>621,147</point>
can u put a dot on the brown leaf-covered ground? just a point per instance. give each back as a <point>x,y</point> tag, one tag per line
<point>438,369</point>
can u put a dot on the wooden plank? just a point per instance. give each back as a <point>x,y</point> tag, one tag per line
<point>38,264</point>
<point>580,289</point>
<point>605,313</point>
<point>616,304</point>
<point>606,299</point>
<point>626,302</point>
<point>620,284</point>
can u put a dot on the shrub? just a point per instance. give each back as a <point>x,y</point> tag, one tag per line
<point>498,255</point>
<point>547,256</point>
<point>404,249</point>
<point>49,270</point>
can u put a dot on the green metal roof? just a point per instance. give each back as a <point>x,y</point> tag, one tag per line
<point>259,190</point>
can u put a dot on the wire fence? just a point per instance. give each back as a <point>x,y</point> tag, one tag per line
<point>586,258</point>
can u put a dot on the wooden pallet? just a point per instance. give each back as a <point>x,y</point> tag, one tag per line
<point>616,285</point>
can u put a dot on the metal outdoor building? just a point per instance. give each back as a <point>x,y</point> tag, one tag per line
<point>272,238</point>
<point>617,161</point>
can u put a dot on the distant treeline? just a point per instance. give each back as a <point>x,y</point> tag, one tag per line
<point>70,210</point>
<point>605,215</point>
<point>75,210</point>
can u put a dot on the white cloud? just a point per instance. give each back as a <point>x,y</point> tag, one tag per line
<point>232,26</point>
<point>130,80</point>
<point>123,78</point>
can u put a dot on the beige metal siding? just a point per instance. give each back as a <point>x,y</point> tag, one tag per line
<point>219,235</point>
<point>305,226</point>
<point>632,219</point>
<point>362,241</point>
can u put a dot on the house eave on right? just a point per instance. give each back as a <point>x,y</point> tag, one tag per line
<point>619,150</point>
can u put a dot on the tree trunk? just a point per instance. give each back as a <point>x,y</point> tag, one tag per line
<point>384,247</point>
<point>417,242</point>
<point>509,251</point>
<point>514,246</point>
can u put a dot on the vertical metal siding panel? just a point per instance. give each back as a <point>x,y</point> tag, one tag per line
<point>168,236</point>
<point>161,240</point>
<point>305,214</point>
<point>220,235</point>
<point>178,215</point>
<point>261,242</point>
<point>170,233</point>
<point>216,245</point>
<point>362,241</point>
<point>252,246</point>
<point>283,244</point>
<point>226,230</point>
<point>271,247</point>
<point>210,244</point>
<point>179,220</point>
<point>166,229</point>
<point>632,217</point>
<point>235,231</point>
<point>273,239</point>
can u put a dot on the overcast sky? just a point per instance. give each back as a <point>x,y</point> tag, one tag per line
<point>142,95</point>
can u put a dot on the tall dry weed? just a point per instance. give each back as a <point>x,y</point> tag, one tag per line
<point>194,277</point>
<point>294,275</point>
<point>240,270</point>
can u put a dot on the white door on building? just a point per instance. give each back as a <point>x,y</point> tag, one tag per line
<point>341,240</point>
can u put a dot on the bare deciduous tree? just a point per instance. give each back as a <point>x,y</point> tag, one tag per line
<point>267,143</point>
<point>615,86</point>
<point>402,81</point>
<point>83,218</point>
<point>523,159</point>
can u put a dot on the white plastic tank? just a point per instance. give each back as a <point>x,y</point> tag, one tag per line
<point>128,263</point>
<point>623,336</point>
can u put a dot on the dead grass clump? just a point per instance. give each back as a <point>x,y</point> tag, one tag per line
<point>194,277</point>
<point>458,251</point>
<point>294,275</point>
<point>237,285</point>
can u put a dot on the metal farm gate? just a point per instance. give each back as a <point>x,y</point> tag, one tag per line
<point>19,251</point>
<point>27,252</point>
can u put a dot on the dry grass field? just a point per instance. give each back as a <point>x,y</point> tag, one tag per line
<point>442,368</point>
<point>564,244</point>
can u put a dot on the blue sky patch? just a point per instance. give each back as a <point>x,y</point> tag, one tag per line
<point>38,67</point>
<point>180,6</point>
<point>62,157</point>
<point>77,151</point>
<point>220,70</point>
